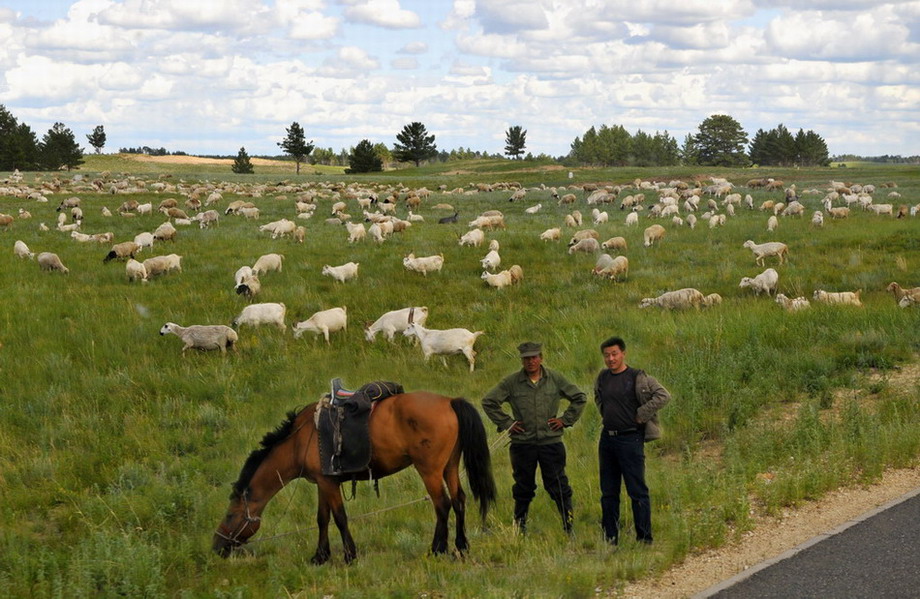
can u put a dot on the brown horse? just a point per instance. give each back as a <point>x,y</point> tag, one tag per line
<point>421,429</point>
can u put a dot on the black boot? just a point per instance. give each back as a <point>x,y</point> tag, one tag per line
<point>520,515</point>
<point>568,518</point>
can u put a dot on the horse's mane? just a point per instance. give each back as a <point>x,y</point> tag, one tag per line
<point>255,458</point>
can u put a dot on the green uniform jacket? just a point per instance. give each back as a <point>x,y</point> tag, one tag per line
<point>534,404</point>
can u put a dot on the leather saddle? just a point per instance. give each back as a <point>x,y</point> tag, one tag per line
<point>342,421</point>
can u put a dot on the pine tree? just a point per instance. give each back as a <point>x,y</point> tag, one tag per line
<point>295,144</point>
<point>364,159</point>
<point>242,165</point>
<point>59,149</point>
<point>18,144</point>
<point>97,138</point>
<point>515,141</point>
<point>414,144</point>
<point>721,142</point>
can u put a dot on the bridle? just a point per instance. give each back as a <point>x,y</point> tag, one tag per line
<point>247,520</point>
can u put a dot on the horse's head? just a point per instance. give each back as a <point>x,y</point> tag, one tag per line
<point>237,526</point>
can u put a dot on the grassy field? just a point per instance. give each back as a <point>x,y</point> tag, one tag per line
<point>117,453</point>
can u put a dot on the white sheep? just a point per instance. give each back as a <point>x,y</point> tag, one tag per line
<point>323,323</point>
<point>900,293</point>
<point>817,219</point>
<point>613,268</point>
<point>839,212</point>
<point>206,218</point>
<point>356,232</point>
<point>675,300</point>
<point>765,250</point>
<point>498,280</point>
<point>279,228</point>
<point>691,221</point>
<point>839,297</point>
<point>588,246</point>
<point>599,217</point>
<point>765,281</point>
<point>423,264</point>
<point>160,265</point>
<point>49,261</point>
<point>165,232</point>
<point>267,263</point>
<point>491,261</point>
<point>445,342</point>
<point>794,209</point>
<point>632,219</point>
<point>713,299</point>
<point>249,285</point>
<point>135,271</point>
<point>494,245</point>
<point>121,251</point>
<point>144,240</point>
<point>342,273</point>
<point>652,234</point>
<point>473,238</point>
<point>533,209</point>
<point>792,304</point>
<point>553,234</point>
<point>22,250</point>
<point>396,321</point>
<point>614,243</point>
<point>258,314</point>
<point>203,337</point>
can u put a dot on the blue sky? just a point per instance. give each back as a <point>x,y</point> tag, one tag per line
<point>210,76</point>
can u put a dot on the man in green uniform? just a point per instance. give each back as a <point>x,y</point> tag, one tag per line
<point>534,394</point>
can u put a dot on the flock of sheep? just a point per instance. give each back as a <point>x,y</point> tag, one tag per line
<point>676,202</point>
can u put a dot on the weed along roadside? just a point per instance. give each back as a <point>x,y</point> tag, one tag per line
<point>119,449</point>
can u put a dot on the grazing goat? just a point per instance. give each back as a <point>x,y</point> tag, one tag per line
<point>445,342</point>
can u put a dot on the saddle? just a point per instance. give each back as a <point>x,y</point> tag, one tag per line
<point>342,421</point>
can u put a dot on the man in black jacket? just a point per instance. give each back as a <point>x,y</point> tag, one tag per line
<point>628,400</point>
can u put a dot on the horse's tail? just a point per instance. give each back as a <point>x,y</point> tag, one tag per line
<point>476,457</point>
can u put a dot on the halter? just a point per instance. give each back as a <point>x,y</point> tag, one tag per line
<point>247,520</point>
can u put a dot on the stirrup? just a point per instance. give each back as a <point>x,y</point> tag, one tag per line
<point>339,392</point>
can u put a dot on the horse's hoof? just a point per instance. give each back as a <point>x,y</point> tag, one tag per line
<point>319,560</point>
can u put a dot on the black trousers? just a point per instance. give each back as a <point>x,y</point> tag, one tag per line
<point>551,460</point>
<point>622,458</point>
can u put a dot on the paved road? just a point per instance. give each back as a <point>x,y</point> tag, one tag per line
<point>877,557</point>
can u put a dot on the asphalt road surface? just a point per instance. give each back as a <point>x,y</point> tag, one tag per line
<point>877,557</point>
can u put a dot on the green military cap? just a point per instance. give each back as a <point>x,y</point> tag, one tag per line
<point>529,349</point>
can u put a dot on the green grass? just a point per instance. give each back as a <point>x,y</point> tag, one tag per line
<point>117,452</point>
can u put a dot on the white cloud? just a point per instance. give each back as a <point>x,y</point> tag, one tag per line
<point>407,63</point>
<point>383,13</point>
<point>414,48</point>
<point>242,15</point>
<point>349,61</point>
<point>313,26</point>
<point>507,16</point>
<point>459,15</point>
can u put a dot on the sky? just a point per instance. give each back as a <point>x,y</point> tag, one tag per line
<point>211,76</point>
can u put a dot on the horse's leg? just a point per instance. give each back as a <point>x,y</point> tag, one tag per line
<point>458,502</point>
<point>441,502</point>
<point>322,523</point>
<point>337,505</point>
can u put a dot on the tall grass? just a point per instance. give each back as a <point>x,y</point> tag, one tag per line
<point>116,452</point>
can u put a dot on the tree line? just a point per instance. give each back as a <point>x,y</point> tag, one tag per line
<point>719,140</point>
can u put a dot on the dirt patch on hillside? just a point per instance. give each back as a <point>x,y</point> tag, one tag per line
<point>772,536</point>
<point>198,160</point>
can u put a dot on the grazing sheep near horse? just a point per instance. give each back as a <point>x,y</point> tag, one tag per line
<point>423,264</point>
<point>395,321</point>
<point>203,337</point>
<point>611,268</point>
<point>259,314</point>
<point>21,250</point>
<point>343,273</point>
<point>323,323</point>
<point>135,271</point>
<point>160,265</point>
<point>445,342</point>
<point>498,280</point>
<point>652,234</point>
<point>122,251</point>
